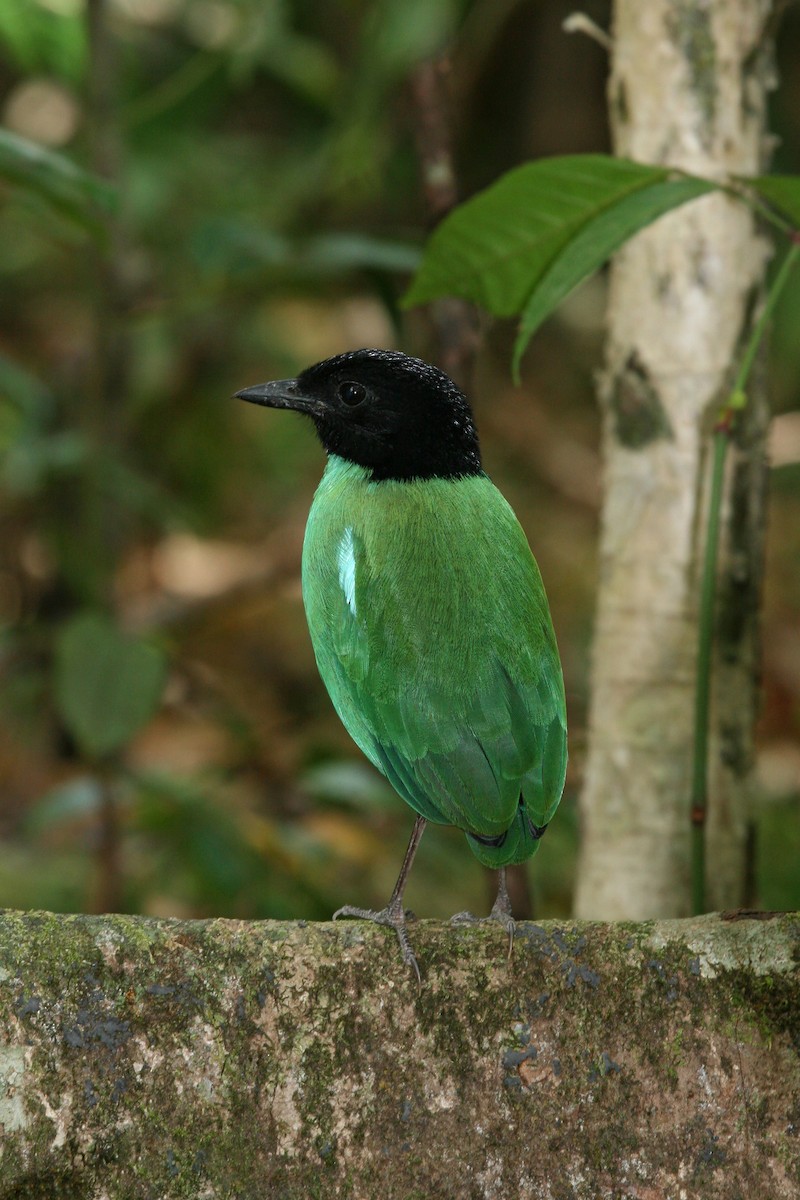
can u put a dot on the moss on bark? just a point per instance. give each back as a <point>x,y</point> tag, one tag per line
<point>148,1059</point>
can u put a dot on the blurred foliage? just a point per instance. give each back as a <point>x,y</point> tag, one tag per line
<point>39,172</point>
<point>269,213</point>
<point>107,684</point>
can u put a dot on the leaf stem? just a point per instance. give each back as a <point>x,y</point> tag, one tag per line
<point>723,431</point>
<point>773,296</point>
<point>171,91</point>
<point>743,191</point>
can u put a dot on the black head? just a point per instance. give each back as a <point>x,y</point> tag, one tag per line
<point>398,416</point>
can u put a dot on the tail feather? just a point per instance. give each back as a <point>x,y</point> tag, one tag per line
<point>519,842</point>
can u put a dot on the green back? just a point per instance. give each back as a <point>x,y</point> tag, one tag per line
<point>432,634</point>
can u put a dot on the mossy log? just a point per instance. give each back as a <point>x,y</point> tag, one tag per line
<point>155,1059</point>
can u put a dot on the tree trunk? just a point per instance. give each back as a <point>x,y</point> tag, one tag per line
<point>214,1059</point>
<point>688,87</point>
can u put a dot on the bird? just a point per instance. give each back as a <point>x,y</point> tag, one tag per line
<point>427,613</point>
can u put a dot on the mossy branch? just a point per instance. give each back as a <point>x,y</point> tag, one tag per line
<point>143,1058</point>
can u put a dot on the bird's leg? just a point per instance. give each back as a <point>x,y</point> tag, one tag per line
<point>501,909</point>
<point>394,914</point>
<point>501,912</point>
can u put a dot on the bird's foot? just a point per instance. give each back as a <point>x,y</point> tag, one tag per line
<point>500,914</point>
<point>395,917</point>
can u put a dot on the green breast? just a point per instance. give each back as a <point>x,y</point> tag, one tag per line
<point>432,633</point>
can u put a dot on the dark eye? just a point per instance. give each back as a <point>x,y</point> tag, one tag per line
<point>351,393</point>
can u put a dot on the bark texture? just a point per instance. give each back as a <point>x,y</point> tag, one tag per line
<point>688,88</point>
<point>157,1059</point>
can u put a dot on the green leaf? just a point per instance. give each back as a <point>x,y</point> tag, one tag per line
<point>398,36</point>
<point>335,252</point>
<point>82,197</point>
<point>306,65</point>
<point>351,783</point>
<point>107,684</point>
<point>234,247</point>
<point>594,243</point>
<point>781,191</point>
<point>75,800</point>
<point>24,390</point>
<point>494,248</point>
<point>33,457</point>
<point>43,42</point>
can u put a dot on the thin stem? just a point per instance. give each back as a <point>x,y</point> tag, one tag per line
<point>171,91</point>
<point>103,407</point>
<point>748,358</point>
<point>108,890</point>
<point>453,321</point>
<point>742,191</point>
<point>722,435</point>
<point>703,684</point>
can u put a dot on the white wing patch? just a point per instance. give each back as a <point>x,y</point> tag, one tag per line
<point>346,562</point>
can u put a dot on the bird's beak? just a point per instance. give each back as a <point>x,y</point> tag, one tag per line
<point>280,393</point>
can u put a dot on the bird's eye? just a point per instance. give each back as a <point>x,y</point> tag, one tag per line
<point>351,393</point>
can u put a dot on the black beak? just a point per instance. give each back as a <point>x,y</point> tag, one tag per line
<point>280,393</point>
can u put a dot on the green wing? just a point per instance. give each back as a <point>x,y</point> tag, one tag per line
<point>433,636</point>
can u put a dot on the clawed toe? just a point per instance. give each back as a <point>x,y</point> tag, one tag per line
<point>509,924</point>
<point>501,910</point>
<point>465,918</point>
<point>363,914</point>
<point>499,916</point>
<point>392,917</point>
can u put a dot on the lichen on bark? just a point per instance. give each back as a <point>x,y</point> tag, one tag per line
<point>143,1058</point>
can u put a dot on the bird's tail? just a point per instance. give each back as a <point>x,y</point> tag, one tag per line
<point>519,842</point>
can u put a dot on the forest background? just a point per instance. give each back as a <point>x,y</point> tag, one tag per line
<point>269,212</point>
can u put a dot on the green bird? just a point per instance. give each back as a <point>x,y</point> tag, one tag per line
<point>427,612</point>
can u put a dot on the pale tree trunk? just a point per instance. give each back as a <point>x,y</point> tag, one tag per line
<point>688,88</point>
